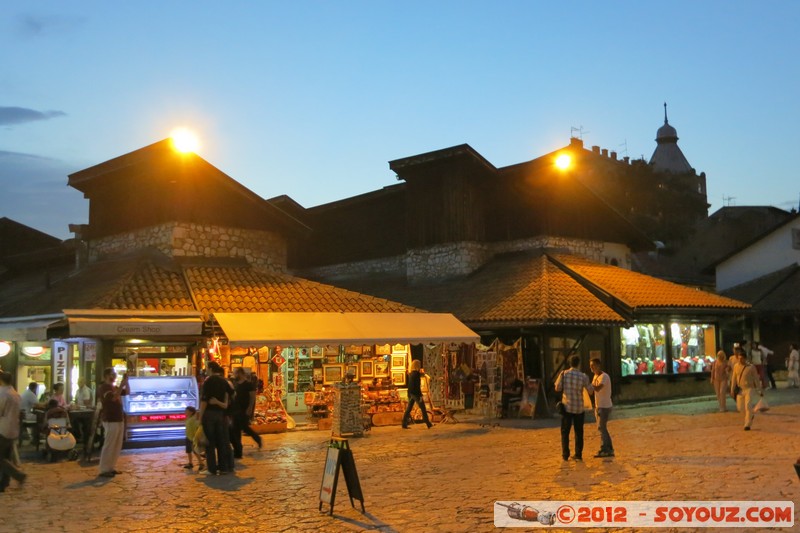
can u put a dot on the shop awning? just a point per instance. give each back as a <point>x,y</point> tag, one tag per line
<point>27,328</point>
<point>301,329</point>
<point>144,324</point>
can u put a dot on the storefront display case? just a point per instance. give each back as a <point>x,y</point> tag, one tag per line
<point>156,408</point>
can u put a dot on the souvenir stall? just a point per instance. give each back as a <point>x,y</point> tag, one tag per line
<point>269,413</point>
<point>471,376</point>
<point>301,356</point>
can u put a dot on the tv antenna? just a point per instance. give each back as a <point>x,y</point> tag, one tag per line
<point>579,130</point>
<point>728,201</point>
<point>624,146</point>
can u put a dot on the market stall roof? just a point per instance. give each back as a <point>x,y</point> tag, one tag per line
<point>343,328</point>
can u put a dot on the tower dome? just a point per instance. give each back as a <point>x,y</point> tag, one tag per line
<point>667,157</point>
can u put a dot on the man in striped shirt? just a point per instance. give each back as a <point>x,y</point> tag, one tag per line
<point>571,383</point>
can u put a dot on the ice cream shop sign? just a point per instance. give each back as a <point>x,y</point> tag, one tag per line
<point>144,325</point>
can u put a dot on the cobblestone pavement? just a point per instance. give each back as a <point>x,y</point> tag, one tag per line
<point>442,479</point>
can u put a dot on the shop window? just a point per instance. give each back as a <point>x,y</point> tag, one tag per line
<point>692,347</point>
<point>647,349</point>
<point>643,349</point>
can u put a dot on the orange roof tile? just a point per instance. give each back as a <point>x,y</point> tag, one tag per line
<point>641,291</point>
<point>152,288</point>
<point>523,289</point>
<point>247,289</point>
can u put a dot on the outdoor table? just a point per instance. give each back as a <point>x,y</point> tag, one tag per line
<point>81,422</point>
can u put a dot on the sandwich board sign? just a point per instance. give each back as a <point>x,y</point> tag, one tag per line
<point>339,457</point>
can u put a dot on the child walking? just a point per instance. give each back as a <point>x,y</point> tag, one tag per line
<point>192,430</point>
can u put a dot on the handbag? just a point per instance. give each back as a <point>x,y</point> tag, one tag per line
<point>59,440</point>
<point>560,408</point>
<point>762,406</point>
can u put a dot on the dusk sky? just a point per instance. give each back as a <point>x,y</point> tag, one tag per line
<point>312,99</point>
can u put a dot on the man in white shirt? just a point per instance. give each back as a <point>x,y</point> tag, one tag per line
<point>9,431</point>
<point>28,399</point>
<point>83,396</point>
<point>601,383</point>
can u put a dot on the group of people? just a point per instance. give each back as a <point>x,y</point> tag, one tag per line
<point>746,373</point>
<point>225,412</point>
<point>571,383</point>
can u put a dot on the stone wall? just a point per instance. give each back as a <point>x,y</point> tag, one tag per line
<point>446,260</point>
<point>386,266</point>
<point>462,258</point>
<point>179,239</point>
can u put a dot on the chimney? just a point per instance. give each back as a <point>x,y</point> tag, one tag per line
<point>604,151</point>
<point>626,159</point>
<point>574,141</point>
<point>81,246</point>
<point>596,150</point>
<point>614,156</point>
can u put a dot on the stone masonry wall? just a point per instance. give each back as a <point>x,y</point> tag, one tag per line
<point>462,258</point>
<point>389,266</point>
<point>178,239</point>
<point>445,260</point>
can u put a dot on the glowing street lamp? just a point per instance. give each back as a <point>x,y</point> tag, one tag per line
<point>184,140</point>
<point>563,161</point>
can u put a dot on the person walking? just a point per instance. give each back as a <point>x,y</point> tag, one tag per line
<point>767,357</point>
<point>9,432</point>
<point>601,383</point>
<point>415,394</point>
<point>571,383</point>
<point>744,384</point>
<point>109,405</point>
<point>214,400</point>
<point>757,360</point>
<point>793,367</point>
<point>720,375</point>
<point>244,403</point>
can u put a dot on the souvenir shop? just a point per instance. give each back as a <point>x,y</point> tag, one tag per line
<point>298,357</point>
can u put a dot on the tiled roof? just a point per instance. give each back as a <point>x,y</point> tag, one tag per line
<point>96,286</point>
<point>151,288</point>
<point>247,289</point>
<point>521,289</point>
<point>149,281</point>
<point>774,293</point>
<point>640,291</point>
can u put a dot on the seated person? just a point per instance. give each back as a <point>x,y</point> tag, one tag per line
<point>56,394</point>
<point>83,396</point>
<point>512,391</point>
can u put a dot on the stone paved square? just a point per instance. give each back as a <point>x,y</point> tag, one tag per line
<point>443,479</point>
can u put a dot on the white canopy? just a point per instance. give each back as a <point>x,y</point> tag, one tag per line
<point>306,329</point>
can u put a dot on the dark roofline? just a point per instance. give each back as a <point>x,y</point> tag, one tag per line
<point>640,242</point>
<point>781,275</point>
<point>712,267</point>
<point>438,155</point>
<point>719,211</point>
<point>118,163</point>
<point>359,198</point>
<point>78,179</point>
